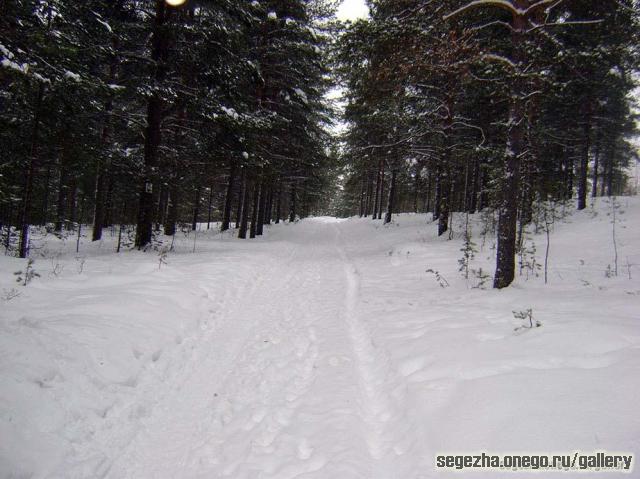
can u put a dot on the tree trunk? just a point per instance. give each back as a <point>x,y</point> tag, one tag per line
<point>226,215</point>
<point>210,207</point>
<point>609,176</point>
<point>382,178</point>
<point>73,204</point>
<point>196,209</point>
<point>254,209</point>
<point>243,210</point>
<point>508,208</point>
<point>268,214</point>
<point>241,190</point>
<point>45,200</point>
<point>596,165</point>
<point>174,200</point>
<point>61,203</point>
<point>377,206</point>
<point>392,196</point>
<point>153,131</point>
<point>416,191</point>
<point>101,170</point>
<point>369,194</point>
<point>29,177</point>
<point>163,206</point>
<point>262,204</point>
<point>292,203</point>
<point>362,189</point>
<point>279,203</point>
<point>584,164</point>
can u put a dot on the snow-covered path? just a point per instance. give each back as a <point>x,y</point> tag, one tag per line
<point>325,350</point>
<point>289,383</point>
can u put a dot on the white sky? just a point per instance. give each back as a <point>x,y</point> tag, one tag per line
<point>352,10</point>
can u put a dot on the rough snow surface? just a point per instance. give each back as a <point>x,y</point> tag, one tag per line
<point>323,350</point>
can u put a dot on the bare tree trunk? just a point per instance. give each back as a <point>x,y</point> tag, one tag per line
<point>262,204</point>
<point>153,131</point>
<point>174,200</point>
<point>61,203</point>
<point>226,215</point>
<point>279,202</point>
<point>45,201</point>
<point>244,207</point>
<point>196,209</point>
<point>382,178</point>
<point>584,163</point>
<point>596,166</point>
<point>392,195</point>
<point>362,188</point>
<point>268,213</point>
<point>377,205</point>
<point>508,209</point>
<point>29,177</point>
<point>416,192</point>
<point>241,190</point>
<point>292,203</point>
<point>254,209</point>
<point>210,207</point>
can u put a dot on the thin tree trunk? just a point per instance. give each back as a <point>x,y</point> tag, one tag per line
<point>378,201</point>
<point>241,190</point>
<point>416,191</point>
<point>268,214</point>
<point>244,206</point>
<point>596,166</point>
<point>226,215</point>
<point>45,201</point>
<point>392,195</point>
<point>584,164</point>
<point>29,178</point>
<point>279,203</point>
<point>196,209</point>
<point>210,208</point>
<point>262,204</point>
<point>163,204</point>
<point>609,181</point>
<point>362,189</point>
<point>61,203</point>
<point>174,200</point>
<point>369,194</point>
<point>73,203</point>
<point>254,209</point>
<point>382,178</point>
<point>292,203</point>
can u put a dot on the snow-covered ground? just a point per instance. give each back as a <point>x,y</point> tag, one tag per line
<point>325,349</point>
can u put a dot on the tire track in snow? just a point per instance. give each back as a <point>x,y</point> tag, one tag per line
<point>392,439</point>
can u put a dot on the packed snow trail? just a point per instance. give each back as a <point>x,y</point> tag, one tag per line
<point>290,385</point>
<point>324,350</point>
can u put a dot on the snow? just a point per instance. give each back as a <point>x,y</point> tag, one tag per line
<point>10,64</point>
<point>322,350</point>
<point>302,95</point>
<point>230,112</point>
<point>5,51</point>
<point>72,76</point>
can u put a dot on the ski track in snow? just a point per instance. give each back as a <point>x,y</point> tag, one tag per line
<point>262,404</point>
<point>322,351</point>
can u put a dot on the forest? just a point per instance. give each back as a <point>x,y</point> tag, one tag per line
<point>148,118</point>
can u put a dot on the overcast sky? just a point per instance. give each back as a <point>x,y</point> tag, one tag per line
<point>352,9</point>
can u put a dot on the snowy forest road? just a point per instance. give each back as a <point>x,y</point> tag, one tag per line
<point>289,385</point>
<point>325,349</point>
